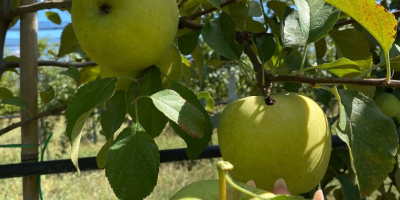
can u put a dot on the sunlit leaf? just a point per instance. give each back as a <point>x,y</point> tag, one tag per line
<point>322,18</point>
<point>150,118</point>
<point>208,99</point>
<point>375,18</point>
<point>291,33</point>
<point>371,137</point>
<point>187,116</point>
<point>87,98</point>
<point>195,146</point>
<point>53,17</point>
<point>351,44</point>
<point>341,67</point>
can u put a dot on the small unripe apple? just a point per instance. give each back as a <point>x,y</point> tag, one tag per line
<point>389,104</point>
<point>289,140</point>
<point>125,35</point>
<point>124,78</point>
<point>209,190</point>
<point>171,65</point>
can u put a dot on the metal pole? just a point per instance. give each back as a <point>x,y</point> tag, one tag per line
<point>29,91</point>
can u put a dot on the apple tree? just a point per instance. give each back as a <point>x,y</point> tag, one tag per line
<point>167,62</point>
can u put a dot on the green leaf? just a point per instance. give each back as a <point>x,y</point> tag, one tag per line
<point>150,118</point>
<point>351,44</point>
<point>209,100</point>
<point>320,48</point>
<point>11,59</point>
<point>114,116</point>
<point>304,16</point>
<point>14,4</point>
<point>47,95</point>
<point>187,116</point>
<point>215,3</point>
<point>341,67</point>
<point>350,191</point>
<point>220,35</point>
<point>73,73</point>
<point>379,22</point>
<point>198,58</point>
<point>265,47</point>
<point>5,93</point>
<point>53,17</point>
<point>323,17</point>
<point>278,7</point>
<point>133,163</point>
<point>371,137</point>
<point>101,158</point>
<point>16,101</point>
<point>195,146</point>
<point>87,98</point>
<point>69,43</point>
<point>188,42</point>
<point>75,137</point>
<point>291,33</point>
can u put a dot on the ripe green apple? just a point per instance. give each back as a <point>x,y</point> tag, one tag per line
<point>209,190</point>
<point>124,80</point>
<point>171,65</point>
<point>125,35</point>
<point>289,140</point>
<point>389,104</point>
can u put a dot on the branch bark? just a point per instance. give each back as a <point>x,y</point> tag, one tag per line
<point>315,81</point>
<point>11,65</point>
<point>36,7</point>
<point>53,111</point>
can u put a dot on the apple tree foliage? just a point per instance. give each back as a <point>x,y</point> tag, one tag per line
<point>337,51</point>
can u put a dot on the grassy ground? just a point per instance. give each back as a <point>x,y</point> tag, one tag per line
<point>93,184</point>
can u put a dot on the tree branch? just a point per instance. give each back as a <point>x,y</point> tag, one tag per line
<point>315,81</point>
<point>36,7</point>
<point>38,116</point>
<point>204,12</point>
<point>10,65</point>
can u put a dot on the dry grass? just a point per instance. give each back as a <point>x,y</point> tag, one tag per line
<point>94,184</point>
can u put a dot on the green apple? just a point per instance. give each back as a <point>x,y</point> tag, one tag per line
<point>125,35</point>
<point>389,104</point>
<point>289,140</point>
<point>209,190</point>
<point>171,65</point>
<point>124,78</point>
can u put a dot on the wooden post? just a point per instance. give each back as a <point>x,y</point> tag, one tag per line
<point>29,92</point>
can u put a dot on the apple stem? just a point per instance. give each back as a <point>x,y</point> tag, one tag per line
<point>223,168</point>
<point>222,184</point>
<point>229,180</point>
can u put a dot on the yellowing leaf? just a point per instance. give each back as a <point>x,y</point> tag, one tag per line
<point>373,17</point>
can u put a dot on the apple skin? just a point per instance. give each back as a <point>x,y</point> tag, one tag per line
<point>129,35</point>
<point>289,140</point>
<point>171,65</point>
<point>388,103</point>
<point>123,83</point>
<point>209,190</point>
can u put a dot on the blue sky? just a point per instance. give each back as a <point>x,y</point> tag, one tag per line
<point>46,29</point>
